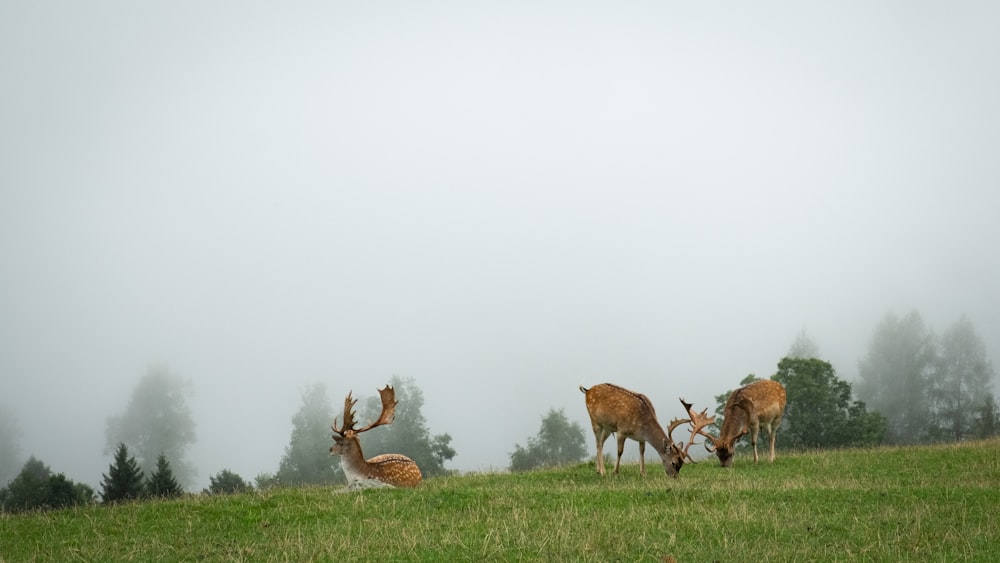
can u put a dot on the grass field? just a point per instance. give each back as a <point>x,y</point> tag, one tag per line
<point>936,503</point>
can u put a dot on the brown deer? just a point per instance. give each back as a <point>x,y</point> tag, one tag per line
<point>392,469</point>
<point>628,414</point>
<point>749,408</point>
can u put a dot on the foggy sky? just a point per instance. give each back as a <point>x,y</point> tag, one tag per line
<point>499,200</point>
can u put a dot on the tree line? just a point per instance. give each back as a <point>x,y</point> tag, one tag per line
<point>151,437</point>
<point>914,387</point>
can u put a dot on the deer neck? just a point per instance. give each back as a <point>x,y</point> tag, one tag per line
<point>733,426</point>
<point>352,461</point>
<point>654,434</point>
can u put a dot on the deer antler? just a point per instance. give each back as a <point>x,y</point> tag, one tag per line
<point>348,416</point>
<point>698,422</point>
<point>388,395</point>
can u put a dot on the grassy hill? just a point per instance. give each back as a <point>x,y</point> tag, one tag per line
<point>937,503</point>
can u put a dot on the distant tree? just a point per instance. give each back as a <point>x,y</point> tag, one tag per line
<point>895,377</point>
<point>37,488</point>
<point>162,482</point>
<point>803,347</point>
<point>558,442</point>
<point>10,447</point>
<point>819,412</point>
<point>227,482</point>
<point>264,481</point>
<point>961,385</point>
<point>123,482</point>
<point>157,421</point>
<point>408,433</point>
<point>307,457</point>
<point>986,419</point>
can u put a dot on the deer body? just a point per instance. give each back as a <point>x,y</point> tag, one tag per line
<point>757,405</point>
<point>392,469</point>
<point>630,415</point>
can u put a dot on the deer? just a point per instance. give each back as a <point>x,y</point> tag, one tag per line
<point>628,414</point>
<point>757,405</point>
<point>391,469</point>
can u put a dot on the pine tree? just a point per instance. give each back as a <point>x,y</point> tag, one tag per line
<point>124,479</point>
<point>162,482</point>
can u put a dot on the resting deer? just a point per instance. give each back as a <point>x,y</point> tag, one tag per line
<point>749,408</point>
<point>628,414</point>
<point>392,469</point>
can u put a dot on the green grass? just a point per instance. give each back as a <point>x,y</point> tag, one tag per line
<point>938,503</point>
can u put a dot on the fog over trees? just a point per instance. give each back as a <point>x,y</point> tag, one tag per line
<point>930,388</point>
<point>495,202</point>
<point>157,421</point>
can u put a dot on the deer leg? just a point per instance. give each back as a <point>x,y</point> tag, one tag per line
<point>621,448</point>
<point>771,435</point>
<point>642,458</point>
<point>600,436</point>
<point>753,440</point>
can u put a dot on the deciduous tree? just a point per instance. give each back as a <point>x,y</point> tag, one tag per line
<point>961,386</point>
<point>408,433</point>
<point>558,442</point>
<point>157,421</point>
<point>819,412</point>
<point>307,455</point>
<point>895,377</point>
<point>227,482</point>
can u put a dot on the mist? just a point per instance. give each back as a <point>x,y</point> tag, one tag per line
<point>501,202</point>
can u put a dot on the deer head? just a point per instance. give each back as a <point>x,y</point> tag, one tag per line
<point>758,404</point>
<point>393,469</point>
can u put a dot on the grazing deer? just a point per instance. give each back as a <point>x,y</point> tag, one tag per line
<point>392,469</point>
<point>628,414</point>
<point>749,408</point>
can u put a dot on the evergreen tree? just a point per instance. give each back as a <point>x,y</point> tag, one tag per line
<point>124,479</point>
<point>157,420</point>
<point>162,482</point>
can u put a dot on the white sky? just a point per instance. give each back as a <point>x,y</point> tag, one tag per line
<point>499,200</point>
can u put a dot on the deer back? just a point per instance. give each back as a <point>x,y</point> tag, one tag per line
<point>626,412</point>
<point>758,402</point>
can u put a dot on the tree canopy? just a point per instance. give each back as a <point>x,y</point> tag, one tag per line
<point>157,421</point>
<point>558,442</point>
<point>227,482</point>
<point>36,487</point>
<point>307,457</point>
<point>929,388</point>
<point>819,412</point>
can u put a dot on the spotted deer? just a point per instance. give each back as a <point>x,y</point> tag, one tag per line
<point>392,469</point>
<point>754,406</point>
<point>628,414</point>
